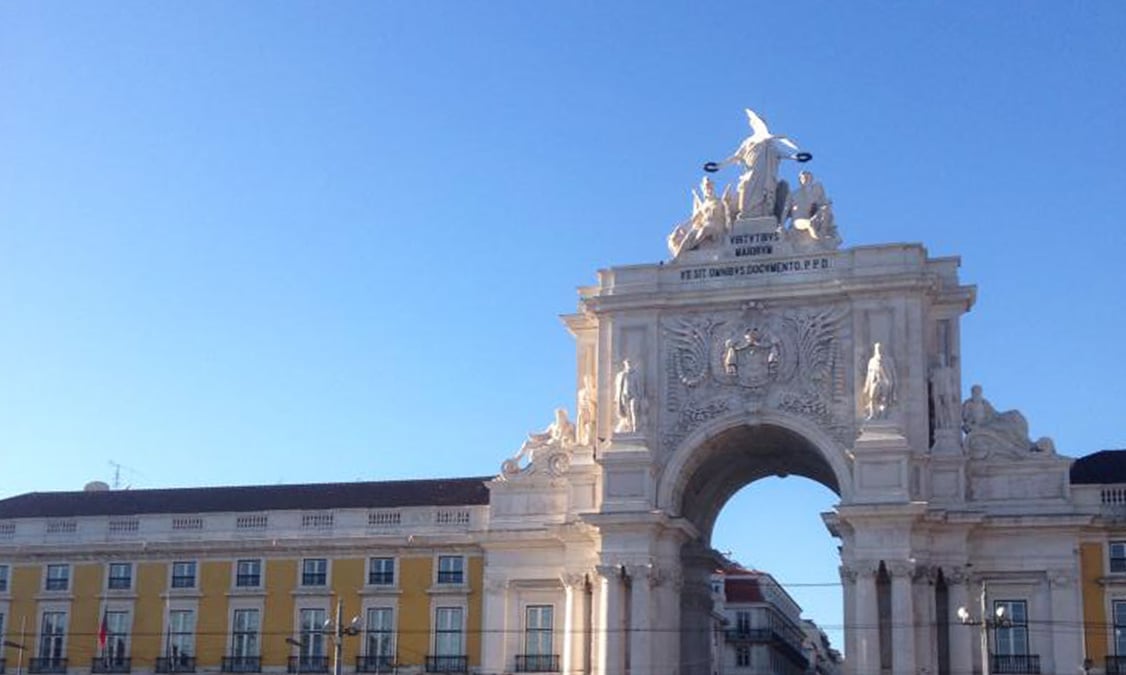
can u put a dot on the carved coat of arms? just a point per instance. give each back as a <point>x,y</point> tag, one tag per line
<point>754,359</point>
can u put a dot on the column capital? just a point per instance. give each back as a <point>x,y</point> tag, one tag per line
<point>956,575</point>
<point>574,580</point>
<point>610,571</point>
<point>1061,578</point>
<point>859,569</point>
<point>647,572</point>
<point>900,568</point>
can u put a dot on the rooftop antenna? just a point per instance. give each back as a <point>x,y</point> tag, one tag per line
<point>117,467</point>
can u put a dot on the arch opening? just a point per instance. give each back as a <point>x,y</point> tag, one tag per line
<point>726,462</point>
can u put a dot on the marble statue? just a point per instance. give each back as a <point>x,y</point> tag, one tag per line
<point>708,224</point>
<point>629,395</point>
<point>980,417</point>
<point>944,396</point>
<point>759,155</point>
<point>559,435</point>
<point>588,412</point>
<point>810,211</point>
<point>879,384</point>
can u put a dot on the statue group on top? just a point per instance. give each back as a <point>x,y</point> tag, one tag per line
<point>759,195</point>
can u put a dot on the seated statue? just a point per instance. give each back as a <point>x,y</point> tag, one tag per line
<point>811,212</point>
<point>989,431</point>
<point>708,224</point>
<point>559,435</point>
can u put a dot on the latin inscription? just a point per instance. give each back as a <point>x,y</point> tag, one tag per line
<point>754,269</point>
<point>758,243</point>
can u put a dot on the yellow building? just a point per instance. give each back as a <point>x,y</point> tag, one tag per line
<point>244,579</point>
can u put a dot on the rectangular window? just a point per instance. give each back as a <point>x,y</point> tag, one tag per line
<point>743,622</point>
<point>448,634</point>
<point>244,633</point>
<point>1118,556</point>
<point>116,648</point>
<point>451,569</point>
<point>248,573</point>
<point>183,574</point>
<point>742,656</point>
<point>3,580</point>
<point>1012,627</point>
<point>120,576</point>
<point>312,635</point>
<point>381,572</point>
<point>181,635</point>
<point>52,636</point>
<point>380,646</point>
<point>314,572</point>
<point>58,578</point>
<point>1120,627</point>
<point>538,635</point>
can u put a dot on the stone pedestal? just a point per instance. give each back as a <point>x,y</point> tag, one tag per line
<point>881,464</point>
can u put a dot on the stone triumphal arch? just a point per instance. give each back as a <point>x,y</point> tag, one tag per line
<point>763,347</point>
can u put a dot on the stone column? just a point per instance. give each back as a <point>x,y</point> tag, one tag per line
<point>848,583</point>
<point>866,620</point>
<point>611,621</point>
<point>902,618</point>
<point>495,620</point>
<point>575,629</point>
<point>1067,643</point>
<point>642,620</point>
<point>961,637</point>
<point>926,631</point>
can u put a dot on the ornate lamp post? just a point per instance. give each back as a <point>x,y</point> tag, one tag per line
<point>999,620</point>
<point>338,631</point>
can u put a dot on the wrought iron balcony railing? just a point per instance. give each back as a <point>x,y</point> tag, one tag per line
<point>537,663</point>
<point>111,664</point>
<point>175,664</point>
<point>447,664</point>
<point>48,664</point>
<point>370,663</point>
<point>308,664</point>
<point>1018,664</point>
<point>242,664</point>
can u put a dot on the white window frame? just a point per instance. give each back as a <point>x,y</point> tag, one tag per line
<point>1116,552</point>
<point>178,635</point>
<point>118,628</point>
<point>461,570</point>
<point>375,632</point>
<point>56,648</point>
<point>325,572</point>
<point>111,579</point>
<point>172,576</point>
<point>371,573</point>
<point>48,578</point>
<point>252,636</point>
<point>440,632</point>
<point>261,573</point>
<point>1007,638</point>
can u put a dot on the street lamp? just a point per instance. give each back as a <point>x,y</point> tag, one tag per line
<point>339,630</point>
<point>999,620</point>
<point>20,648</point>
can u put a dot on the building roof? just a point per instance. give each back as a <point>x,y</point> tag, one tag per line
<point>742,589</point>
<point>386,494</point>
<point>1103,467</point>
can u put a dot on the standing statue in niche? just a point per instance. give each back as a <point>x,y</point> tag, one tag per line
<point>811,212</point>
<point>629,395</point>
<point>558,436</point>
<point>588,412</point>
<point>944,396</point>
<point>708,224</point>
<point>760,154</point>
<point>879,384</point>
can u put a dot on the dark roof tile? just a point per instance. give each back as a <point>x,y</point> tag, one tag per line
<point>386,494</point>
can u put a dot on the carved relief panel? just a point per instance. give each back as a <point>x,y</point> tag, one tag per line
<point>756,358</point>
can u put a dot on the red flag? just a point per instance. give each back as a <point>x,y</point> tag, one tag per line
<point>103,632</point>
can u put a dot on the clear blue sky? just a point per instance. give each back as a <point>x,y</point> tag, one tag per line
<point>281,242</point>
